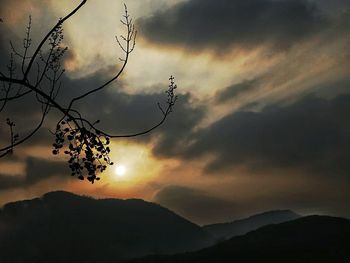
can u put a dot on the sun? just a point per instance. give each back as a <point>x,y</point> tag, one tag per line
<point>120,170</point>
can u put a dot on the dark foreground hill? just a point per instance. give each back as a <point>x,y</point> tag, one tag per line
<point>309,239</point>
<point>63,227</point>
<point>243,226</point>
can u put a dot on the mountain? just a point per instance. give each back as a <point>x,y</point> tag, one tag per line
<point>308,239</point>
<point>63,227</point>
<point>243,226</point>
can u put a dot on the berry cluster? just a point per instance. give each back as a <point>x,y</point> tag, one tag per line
<point>88,149</point>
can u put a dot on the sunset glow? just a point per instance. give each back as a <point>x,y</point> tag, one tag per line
<point>260,121</point>
<point>174,131</point>
<point>120,170</point>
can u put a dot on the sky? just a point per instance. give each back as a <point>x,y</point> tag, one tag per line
<point>261,121</point>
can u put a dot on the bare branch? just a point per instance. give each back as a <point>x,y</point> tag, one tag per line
<point>9,148</point>
<point>59,23</point>
<point>130,36</point>
<point>86,145</point>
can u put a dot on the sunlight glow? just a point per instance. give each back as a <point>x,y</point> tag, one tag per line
<point>120,170</point>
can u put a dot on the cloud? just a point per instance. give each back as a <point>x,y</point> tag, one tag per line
<point>334,6</point>
<point>120,113</point>
<point>310,134</point>
<point>196,205</point>
<point>37,170</point>
<point>10,181</point>
<point>222,24</point>
<point>235,90</point>
<point>179,127</point>
<point>123,113</point>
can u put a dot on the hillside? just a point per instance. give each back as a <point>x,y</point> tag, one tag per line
<point>243,226</point>
<point>309,239</point>
<point>63,227</point>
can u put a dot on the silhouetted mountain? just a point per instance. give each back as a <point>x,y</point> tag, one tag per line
<point>243,226</point>
<point>63,227</point>
<point>309,239</point>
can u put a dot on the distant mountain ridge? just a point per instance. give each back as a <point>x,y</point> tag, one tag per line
<point>63,227</point>
<point>243,226</point>
<point>311,239</point>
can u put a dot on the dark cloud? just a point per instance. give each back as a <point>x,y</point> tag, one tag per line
<point>196,205</point>
<point>25,112</point>
<point>235,90</point>
<point>120,113</point>
<point>37,170</point>
<point>123,113</point>
<point>332,7</point>
<point>311,134</point>
<point>221,24</point>
<point>179,127</point>
<point>40,169</point>
<point>10,181</point>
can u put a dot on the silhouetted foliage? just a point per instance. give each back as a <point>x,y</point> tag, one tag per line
<point>40,73</point>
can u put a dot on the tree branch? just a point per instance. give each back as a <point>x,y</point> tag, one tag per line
<point>86,145</point>
<point>59,23</point>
